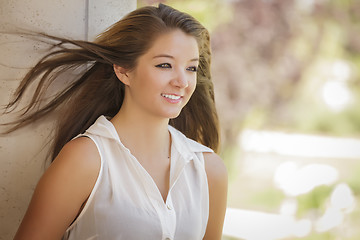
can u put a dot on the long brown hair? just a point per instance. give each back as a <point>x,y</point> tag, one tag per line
<point>97,91</point>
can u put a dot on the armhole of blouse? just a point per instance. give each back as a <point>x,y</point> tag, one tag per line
<point>91,196</point>
<point>205,199</point>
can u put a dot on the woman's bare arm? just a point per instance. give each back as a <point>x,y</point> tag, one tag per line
<point>218,183</point>
<point>61,191</point>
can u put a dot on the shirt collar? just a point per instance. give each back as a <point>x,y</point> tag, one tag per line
<point>104,128</point>
<point>186,147</point>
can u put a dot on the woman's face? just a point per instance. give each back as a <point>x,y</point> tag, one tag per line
<point>165,76</point>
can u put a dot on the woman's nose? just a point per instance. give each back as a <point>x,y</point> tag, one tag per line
<point>181,79</point>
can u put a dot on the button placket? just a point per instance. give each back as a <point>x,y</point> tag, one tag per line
<point>170,219</point>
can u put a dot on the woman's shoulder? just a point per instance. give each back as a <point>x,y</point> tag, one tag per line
<point>78,161</point>
<point>81,153</point>
<point>215,169</point>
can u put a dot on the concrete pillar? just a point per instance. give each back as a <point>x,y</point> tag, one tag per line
<point>22,154</point>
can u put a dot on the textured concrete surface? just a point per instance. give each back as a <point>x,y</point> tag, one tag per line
<point>22,154</point>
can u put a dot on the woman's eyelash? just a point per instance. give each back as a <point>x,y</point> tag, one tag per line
<point>164,65</point>
<point>168,65</point>
<point>192,69</point>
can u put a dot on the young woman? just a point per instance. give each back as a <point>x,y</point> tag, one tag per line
<point>133,155</point>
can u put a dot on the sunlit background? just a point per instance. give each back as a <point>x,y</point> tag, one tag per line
<point>286,75</point>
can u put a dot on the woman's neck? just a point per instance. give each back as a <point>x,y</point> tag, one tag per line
<point>146,137</point>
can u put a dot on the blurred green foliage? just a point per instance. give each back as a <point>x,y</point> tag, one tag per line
<point>321,236</point>
<point>269,199</point>
<point>353,179</point>
<point>341,124</point>
<point>229,238</point>
<point>313,201</point>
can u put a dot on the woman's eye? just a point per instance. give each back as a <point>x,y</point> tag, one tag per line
<point>192,69</point>
<point>163,65</point>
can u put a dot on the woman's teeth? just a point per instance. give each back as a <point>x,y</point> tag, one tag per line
<point>173,97</point>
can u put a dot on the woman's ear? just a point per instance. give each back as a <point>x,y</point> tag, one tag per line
<point>121,74</point>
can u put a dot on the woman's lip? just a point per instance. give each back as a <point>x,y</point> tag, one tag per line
<point>172,98</point>
<point>171,95</point>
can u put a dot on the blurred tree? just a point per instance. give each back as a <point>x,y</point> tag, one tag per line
<point>255,67</point>
<point>339,23</point>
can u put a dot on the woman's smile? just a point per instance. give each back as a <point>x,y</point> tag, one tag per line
<point>172,98</point>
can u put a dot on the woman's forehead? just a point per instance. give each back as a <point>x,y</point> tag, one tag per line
<point>175,43</point>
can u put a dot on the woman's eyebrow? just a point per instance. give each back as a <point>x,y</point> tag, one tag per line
<point>194,60</point>
<point>169,56</point>
<point>163,55</point>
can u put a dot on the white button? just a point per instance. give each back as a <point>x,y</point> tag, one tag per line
<point>168,207</point>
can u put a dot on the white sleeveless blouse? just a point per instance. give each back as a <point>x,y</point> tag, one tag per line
<point>125,202</point>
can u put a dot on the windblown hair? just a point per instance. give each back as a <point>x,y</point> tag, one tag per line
<point>97,91</point>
